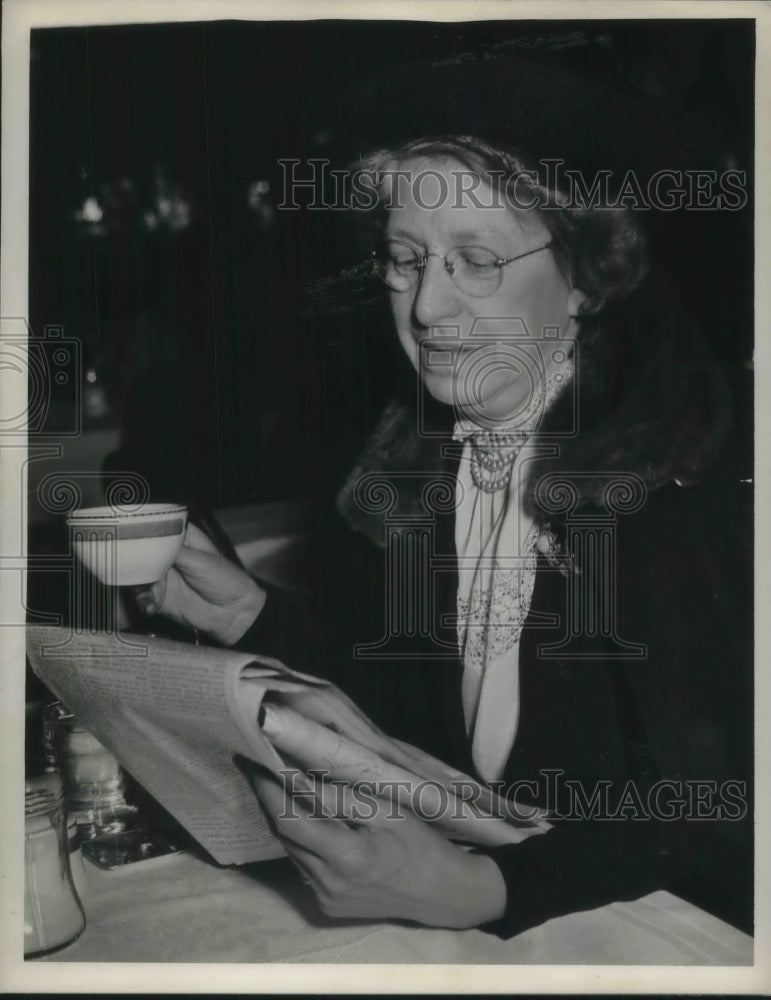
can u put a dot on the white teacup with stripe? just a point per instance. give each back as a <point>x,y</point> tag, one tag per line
<point>128,545</point>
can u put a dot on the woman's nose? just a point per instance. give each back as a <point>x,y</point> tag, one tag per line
<point>436,297</point>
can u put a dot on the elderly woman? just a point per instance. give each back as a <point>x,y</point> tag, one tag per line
<point>578,621</point>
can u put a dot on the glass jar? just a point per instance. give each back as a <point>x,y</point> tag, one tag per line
<point>93,778</point>
<point>53,913</point>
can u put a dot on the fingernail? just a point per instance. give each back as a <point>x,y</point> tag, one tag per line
<point>147,606</point>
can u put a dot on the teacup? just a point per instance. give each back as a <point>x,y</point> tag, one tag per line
<point>128,545</point>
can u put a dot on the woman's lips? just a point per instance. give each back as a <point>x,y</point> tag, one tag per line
<point>441,354</point>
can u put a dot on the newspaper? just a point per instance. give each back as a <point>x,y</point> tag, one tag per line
<point>175,716</point>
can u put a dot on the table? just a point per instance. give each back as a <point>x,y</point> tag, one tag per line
<point>183,909</point>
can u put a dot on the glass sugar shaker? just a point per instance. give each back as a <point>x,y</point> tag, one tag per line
<point>53,913</point>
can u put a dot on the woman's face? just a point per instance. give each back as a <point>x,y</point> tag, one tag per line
<point>485,356</point>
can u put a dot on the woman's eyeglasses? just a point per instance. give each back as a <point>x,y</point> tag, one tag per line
<point>475,271</point>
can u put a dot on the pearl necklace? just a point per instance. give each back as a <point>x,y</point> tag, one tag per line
<point>493,454</point>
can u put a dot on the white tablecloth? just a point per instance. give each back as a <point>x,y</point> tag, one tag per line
<point>182,909</point>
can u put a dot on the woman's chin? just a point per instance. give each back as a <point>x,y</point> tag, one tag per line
<point>442,388</point>
<point>501,406</point>
<point>500,409</point>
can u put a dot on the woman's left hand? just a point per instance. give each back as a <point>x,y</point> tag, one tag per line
<point>387,867</point>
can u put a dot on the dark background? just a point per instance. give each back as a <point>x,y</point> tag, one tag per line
<point>187,287</point>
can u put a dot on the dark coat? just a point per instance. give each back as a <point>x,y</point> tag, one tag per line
<point>663,693</point>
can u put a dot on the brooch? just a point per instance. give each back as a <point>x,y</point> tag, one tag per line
<point>552,547</point>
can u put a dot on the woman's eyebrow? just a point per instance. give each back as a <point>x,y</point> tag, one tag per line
<point>401,234</point>
<point>477,235</point>
<point>458,239</point>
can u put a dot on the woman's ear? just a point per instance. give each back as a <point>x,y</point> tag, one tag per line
<point>576,299</point>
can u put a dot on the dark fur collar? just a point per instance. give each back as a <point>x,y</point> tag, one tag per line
<point>651,400</point>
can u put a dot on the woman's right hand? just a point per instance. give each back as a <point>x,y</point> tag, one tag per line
<point>204,590</point>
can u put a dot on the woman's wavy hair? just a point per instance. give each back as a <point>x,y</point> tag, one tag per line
<point>599,248</point>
